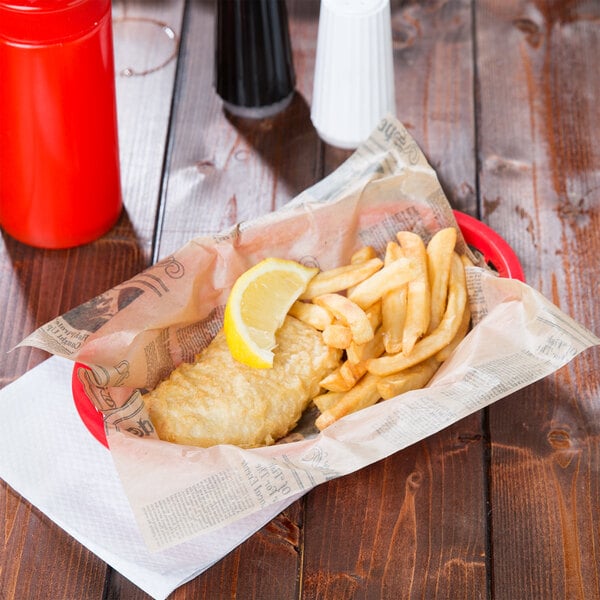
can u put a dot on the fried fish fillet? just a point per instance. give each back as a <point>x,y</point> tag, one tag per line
<point>217,400</point>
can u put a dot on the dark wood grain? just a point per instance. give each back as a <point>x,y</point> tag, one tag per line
<point>406,527</point>
<point>144,99</point>
<point>230,169</point>
<point>412,545</point>
<point>433,60</point>
<point>502,97</point>
<point>225,169</point>
<point>37,285</point>
<point>539,189</point>
<point>29,540</point>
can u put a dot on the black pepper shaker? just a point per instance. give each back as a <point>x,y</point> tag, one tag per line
<point>254,70</point>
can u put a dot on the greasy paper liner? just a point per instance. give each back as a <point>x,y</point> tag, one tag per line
<point>495,251</point>
<point>133,335</point>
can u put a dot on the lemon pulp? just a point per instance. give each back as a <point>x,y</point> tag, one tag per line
<point>257,306</point>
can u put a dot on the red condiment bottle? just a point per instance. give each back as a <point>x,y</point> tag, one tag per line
<point>59,155</point>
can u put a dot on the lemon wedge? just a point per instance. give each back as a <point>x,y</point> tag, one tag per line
<point>257,306</point>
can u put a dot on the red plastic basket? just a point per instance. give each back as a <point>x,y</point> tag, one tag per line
<point>496,252</point>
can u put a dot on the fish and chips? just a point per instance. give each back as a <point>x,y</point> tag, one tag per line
<point>359,333</point>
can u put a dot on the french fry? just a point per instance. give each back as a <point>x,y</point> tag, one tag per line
<point>442,336</point>
<point>374,314</point>
<point>392,252</point>
<point>340,278</point>
<point>393,317</point>
<point>418,298</point>
<point>439,257</point>
<point>374,347</point>
<point>363,394</point>
<point>352,372</point>
<point>316,316</point>
<point>325,401</point>
<point>337,335</point>
<point>390,277</point>
<point>393,306</point>
<point>349,314</point>
<point>363,255</point>
<point>463,328</point>
<point>336,382</point>
<point>412,378</point>
<point>358,353</point>
<point>397,320</point>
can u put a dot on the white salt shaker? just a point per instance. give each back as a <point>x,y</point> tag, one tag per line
<point>354,71</point>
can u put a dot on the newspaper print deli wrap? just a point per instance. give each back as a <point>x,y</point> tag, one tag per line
<point>135,334</point>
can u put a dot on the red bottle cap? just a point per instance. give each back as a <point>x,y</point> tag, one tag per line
<point>47,21</point>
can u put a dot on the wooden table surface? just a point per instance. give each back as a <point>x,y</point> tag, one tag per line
<point>502,96</point>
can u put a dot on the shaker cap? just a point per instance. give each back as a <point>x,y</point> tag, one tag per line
<point>254,69</point>
<point>48,21</point>
<point>354,70</point>
<point>356,8</point>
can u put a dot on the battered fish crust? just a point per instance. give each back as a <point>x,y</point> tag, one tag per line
<point>217,400</point>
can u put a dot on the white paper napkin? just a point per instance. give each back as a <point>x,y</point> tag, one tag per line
<point>49,457</point>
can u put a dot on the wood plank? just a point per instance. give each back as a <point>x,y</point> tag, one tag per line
<point>147,37</point>
<point>263,567</point>
<point>224,169</point>
<point>405,527</point>
<point>415,523</point>
<point>433,58</point>
<point>35,554</point>
<point>42,284</point>
<point>540,188</point>
<point>38,285</point>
